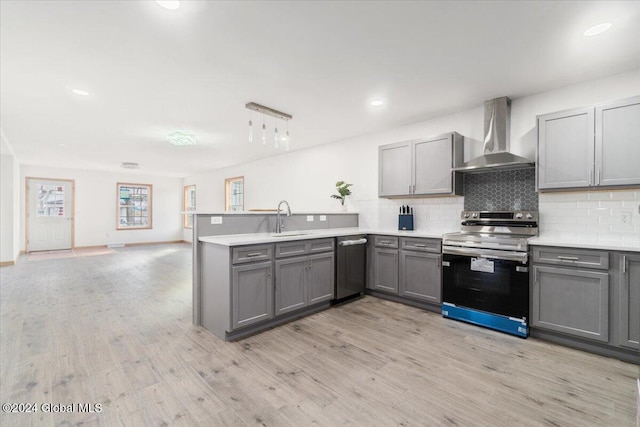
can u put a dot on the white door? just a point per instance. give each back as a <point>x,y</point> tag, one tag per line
<point>50,216</point>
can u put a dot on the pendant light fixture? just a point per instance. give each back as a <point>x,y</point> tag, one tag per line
<point>278,115</point>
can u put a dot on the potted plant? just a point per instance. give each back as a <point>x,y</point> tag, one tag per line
<point>343,191</point>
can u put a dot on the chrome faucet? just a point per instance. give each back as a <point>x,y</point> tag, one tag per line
<point>279,224</point>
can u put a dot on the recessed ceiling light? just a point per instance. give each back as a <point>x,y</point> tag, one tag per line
<point>80,92</point>
<point>129,165</point>
<point>597,29</point>
<point>377,102</point>
<point>169,4</point>
<point>181,138</point>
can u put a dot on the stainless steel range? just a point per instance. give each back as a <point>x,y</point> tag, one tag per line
<point>486,270</point>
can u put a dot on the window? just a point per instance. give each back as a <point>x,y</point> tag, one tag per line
<point>234,194</point>
<point>189,204</point>
<point>50,200</point>
<point>134,206</point>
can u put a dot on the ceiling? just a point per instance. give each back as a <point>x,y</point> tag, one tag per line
<point>150,71</point>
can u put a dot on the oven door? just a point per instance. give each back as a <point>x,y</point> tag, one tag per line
<point>486,281</point>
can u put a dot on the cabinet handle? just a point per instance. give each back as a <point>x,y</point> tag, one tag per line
<point>597,177</point>
<point>624,264</point>
<point>414,189</point>
<point>590,177</point>
<point>409,188</point>
<point>384,242</point>
<point>252,254</point>
<point>568,258</point>
<point>535,275</point>
<point>419,245</point>
<point>269,272</point>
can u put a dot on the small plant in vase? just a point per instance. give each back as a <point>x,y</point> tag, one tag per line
<point>343,191</point>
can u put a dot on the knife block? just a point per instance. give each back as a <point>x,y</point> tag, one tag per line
<point>405,222</point>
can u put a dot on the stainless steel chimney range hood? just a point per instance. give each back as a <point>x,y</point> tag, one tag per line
<point>497,125</point>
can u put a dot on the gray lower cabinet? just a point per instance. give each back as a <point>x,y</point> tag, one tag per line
<point>571,301</point>
<point>320,278</point>
<point>629,288</point>
<point>420,276</point>
<point>304,280</point>
<point>291,289</point>
<point>386,270</point>
<point>252,294</point>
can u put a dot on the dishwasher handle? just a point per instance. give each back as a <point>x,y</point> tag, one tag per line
<point>352,242</point>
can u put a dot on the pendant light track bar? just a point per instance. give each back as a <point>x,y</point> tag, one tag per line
<point>268,111</point>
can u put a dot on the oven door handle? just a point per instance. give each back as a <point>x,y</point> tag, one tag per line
<point>487,253</point>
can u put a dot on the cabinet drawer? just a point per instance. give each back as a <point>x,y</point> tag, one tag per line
<point>426,245</point>
<point>321,245</point>
<point>252,253</point>
<point>385,241</point>
<point>571,257</point>
<point>303,247</point>
<point>298,247</point>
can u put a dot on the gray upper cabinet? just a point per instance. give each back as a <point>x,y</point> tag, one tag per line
<point>252,294</point>
<point>571,301</point>
<point>589,147</point>
<point>618,143</point>
<point>565,149</point>
<point>394,169</point>
<point>420,167</point>
<point>629,310</point>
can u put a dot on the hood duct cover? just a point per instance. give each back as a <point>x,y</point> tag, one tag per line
<point>497,125</point>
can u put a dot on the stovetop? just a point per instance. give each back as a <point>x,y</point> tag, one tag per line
<point>503,230</point>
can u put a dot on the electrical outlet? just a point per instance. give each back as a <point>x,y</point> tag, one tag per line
<point>216,220</point>
<point>625,217</point>
<point>323,217</point>
<point>309,218</point>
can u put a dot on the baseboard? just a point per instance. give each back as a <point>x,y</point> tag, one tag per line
<point>154,243</point>
<point>7,263</point>
<point>90,247</point>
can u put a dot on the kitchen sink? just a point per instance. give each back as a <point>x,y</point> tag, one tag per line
<point>288,234</point>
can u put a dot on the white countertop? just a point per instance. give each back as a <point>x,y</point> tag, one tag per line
<point>259,238</point>
<point>585,243</point>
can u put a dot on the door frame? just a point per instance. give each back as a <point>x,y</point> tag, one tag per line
<point>26,208</point>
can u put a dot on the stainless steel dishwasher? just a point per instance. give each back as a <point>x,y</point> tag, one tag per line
<point>350,266</point>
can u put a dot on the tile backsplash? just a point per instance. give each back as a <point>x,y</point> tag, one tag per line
<point>591,215</point>
<point>501,191</point>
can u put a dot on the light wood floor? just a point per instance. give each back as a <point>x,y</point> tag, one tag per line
<point>116,329</point>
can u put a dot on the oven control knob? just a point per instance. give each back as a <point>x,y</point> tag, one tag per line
<point>519,215</point>
<point>466,215</point>
<point>475,215</point>
<point>529,216</point>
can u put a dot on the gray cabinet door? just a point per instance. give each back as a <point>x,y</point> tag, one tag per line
<point>290,288</point>
<point>252,294</point>
<point>629,315</point>
<point>386,270</point>
<point>420,276</point>
<point>394,169</point>
<point>565,149</point>
<point>618,143</point>
<point>321,278</point>
<point>432,162</point>
<point>571,301</point>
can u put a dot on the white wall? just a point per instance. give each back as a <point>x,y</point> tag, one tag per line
<point>306,178</point>
<point>95,205</point>
<point>8,220</point>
